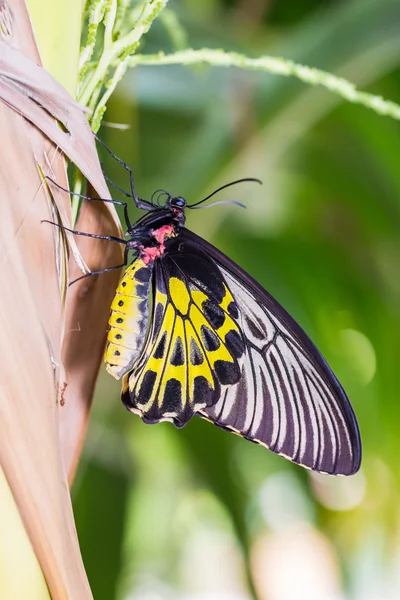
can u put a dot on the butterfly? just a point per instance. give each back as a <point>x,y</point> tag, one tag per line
<point>217,345</point>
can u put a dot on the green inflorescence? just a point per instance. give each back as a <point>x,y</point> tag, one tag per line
<point>114,45</point>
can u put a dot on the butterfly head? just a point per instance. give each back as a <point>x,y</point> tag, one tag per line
<point>177,203</point>
<point>163,199</point>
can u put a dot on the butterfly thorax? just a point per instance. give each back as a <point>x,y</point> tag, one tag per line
<point>149,234</point>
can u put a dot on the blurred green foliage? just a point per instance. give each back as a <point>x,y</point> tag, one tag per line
<point>198,513</point>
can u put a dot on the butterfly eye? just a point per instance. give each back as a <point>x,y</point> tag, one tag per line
<point>179,202</point>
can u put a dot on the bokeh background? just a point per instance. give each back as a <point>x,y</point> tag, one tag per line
<point>199,514</point>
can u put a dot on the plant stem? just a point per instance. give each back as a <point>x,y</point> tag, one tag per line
<point>278,66</point>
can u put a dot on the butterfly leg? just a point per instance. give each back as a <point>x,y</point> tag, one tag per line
<point>103,270</point>
<point>96,199</point>
<point>139,202</point>
<point>110,238</point>
<point>97,273</point>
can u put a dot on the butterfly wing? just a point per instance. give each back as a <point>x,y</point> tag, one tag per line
<point>194,349</point>
<point>287,398</point>
<point>222,348</point>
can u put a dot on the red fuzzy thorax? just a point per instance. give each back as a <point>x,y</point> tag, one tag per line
<point>164,232</point>
<point>150,253</point>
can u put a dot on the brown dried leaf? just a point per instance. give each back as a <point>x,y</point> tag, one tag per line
<point>31,303</point>
<point>30,331</point>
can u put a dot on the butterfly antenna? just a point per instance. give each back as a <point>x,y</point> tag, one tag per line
<point>160,193</point>
<point>222,188</point>
<point>219,202</point>
<point>95,198</point>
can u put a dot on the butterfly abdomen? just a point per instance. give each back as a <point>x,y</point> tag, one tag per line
<point>128,318</point>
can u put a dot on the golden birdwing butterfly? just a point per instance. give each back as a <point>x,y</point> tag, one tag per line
<point>217,345</point>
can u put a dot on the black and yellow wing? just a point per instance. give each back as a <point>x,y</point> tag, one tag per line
<point>194,349</point>
<point>222,348</point>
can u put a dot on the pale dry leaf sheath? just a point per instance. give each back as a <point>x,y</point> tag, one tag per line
<point>33,92</point>
<point>31,307</point>
<point>30,329</point>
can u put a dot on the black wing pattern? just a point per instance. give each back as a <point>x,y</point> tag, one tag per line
<point>287,397</point>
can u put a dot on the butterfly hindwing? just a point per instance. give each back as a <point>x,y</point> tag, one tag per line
<point>287,397</point>
<point>195,347</point>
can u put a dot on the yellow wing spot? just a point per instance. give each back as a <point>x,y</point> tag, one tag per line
<point>153,363</point>
<point>179,295</point>
<point>198,297</point>
<point>125,383</point>
<point>226,300</point>
<point>168,321</point>
<point>129,322</point>
<point>127,284</point>
<point>174,371</point>
<point>194,370</point>
<point>122,303</point>
<point>227,326</point>
<point>122,338</point>
<point>161,298</point>
<point>199,320</point>
<point>117,356</point>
